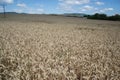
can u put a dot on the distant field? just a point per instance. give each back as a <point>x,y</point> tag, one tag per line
<point>44,47</point>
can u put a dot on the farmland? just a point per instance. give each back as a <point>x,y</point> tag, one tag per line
<point>44,47</point>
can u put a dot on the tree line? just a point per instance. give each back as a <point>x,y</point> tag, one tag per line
<point>99,16</point>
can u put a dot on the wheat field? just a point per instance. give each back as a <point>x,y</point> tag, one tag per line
<point>42,47</point>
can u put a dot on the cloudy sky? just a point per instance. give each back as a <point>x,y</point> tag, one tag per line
<point>109,7</point>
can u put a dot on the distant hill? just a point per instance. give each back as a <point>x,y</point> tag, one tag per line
<point>80,15</point>
<point>74,14</point>
<point>9,13</point>
<point>12,13</point>
<point>65,14</point>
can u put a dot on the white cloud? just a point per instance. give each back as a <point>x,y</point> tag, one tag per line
<point>106,9</point>
<point>87,8</point>
<point>103,10</point>
<point>64,7</point>
<point>67,5</point>
<point>30,10</point>
<point>74,2</point>
<point>40,10</point>
<point>21,5</point>
<point>110,9</point>
<point>6,1</point>
<point>99,3</point>
<point>18,10</point>
<point>35,11</point>
<point>27,9</point>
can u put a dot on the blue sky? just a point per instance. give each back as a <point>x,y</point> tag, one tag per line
<point>109,7</point>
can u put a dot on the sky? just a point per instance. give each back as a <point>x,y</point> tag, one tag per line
<point>109,7</point>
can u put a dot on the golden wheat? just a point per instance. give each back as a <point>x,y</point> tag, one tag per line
<point>59,48</point>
